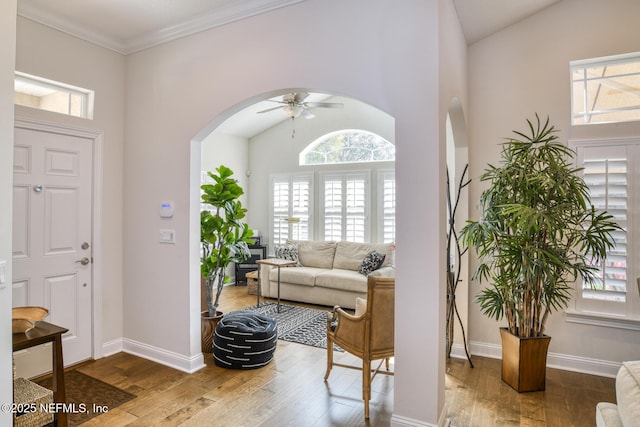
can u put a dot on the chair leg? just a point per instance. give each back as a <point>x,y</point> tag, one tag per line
<point>386,362</point>
<point>329,358</point>
<point>366,385</point>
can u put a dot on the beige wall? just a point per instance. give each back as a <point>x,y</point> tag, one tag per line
<point>388,57</point>
<point>49,53</point>
<point>7,61</point>
<point>523,70</point>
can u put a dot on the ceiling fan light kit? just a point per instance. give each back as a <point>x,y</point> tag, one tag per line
<point>293,106</point>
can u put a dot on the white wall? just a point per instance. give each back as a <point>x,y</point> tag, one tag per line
<point>388,57</point>
<point>49,53</point>
<point>231,151</point>
<point>275,151</point>
<point>523,70</point>
<point>7,66</point>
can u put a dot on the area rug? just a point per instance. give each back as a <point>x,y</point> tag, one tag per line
<point>91,393</point>
<point>301,325</point>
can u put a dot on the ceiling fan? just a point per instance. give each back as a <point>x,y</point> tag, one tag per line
<point>293,105</point>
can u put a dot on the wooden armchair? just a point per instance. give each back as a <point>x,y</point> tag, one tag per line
<point>368,335</point>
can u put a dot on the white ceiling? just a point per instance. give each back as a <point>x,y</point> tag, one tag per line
<point>128,26</point>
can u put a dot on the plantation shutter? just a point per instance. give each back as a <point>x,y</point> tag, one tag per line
<point>333,208</point>
<point>607,181</point>
<point>356,209</point>
<point>346,207</point>
<point>291,211</point>
<point>388,211</point>
<point>608,171</point>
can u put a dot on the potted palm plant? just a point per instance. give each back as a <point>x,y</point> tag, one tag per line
<point>224,238</point>
<point>537,234</point>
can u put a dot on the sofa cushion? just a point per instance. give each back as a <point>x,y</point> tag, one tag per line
<point>347,280</point>
<point>371,262</point>
<point>628,392</point>
<point>316,253</point>
<point>305,276</point>
<point>349,255</point>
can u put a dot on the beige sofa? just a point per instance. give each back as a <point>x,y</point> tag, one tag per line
<point>327,273</point>
<point>627,412</point>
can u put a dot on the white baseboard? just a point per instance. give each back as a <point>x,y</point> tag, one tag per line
<point>398,421</point>
<point>566,362</point>
<point>164,357</point>
<point>112,347</point>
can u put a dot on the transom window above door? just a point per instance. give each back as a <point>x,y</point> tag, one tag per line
<point>44,94</point>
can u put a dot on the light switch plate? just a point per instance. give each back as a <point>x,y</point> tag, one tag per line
<point>167,236</point>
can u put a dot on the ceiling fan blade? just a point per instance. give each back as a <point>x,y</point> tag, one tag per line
<point>270,109</point>
<point>324,104</point>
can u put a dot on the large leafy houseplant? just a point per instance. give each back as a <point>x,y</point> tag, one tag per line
<point>538,231</point>
<point>223,235</point>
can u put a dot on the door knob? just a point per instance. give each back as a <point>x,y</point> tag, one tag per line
<point>84,261</point>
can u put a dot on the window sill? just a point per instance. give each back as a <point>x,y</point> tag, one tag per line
<point>600,319</point>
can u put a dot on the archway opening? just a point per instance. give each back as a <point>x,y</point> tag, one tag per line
<point>256,139</point>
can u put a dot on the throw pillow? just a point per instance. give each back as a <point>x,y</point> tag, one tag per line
<point>288,252</point>
<point>371,262</point>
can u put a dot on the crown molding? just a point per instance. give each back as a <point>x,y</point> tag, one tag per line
<point>231,12</point>
<point>66,26</point>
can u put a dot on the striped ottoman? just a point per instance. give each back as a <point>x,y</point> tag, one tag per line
<point>244,340</point>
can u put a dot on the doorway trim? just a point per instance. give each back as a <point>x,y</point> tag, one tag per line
<point>96,139</point>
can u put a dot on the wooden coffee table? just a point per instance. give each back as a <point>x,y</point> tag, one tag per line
<point>274,262</point>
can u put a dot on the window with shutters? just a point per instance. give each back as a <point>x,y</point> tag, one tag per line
<point>387,206</point>
<point>291,199</point>
<point>609,170</point>
<point>345,206</point>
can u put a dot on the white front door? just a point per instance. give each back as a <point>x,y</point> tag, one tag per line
<point>52,223</point>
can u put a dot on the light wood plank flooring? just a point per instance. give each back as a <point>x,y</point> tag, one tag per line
<point>290,391</point>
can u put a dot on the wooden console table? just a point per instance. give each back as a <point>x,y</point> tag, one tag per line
<point>43,333</point>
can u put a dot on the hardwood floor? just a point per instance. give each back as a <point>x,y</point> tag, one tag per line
<point>478,397</point>
<point>290,391</point>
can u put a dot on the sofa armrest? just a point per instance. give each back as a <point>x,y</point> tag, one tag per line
<point>264,274</point>
<point>607,415</point>
<point>384,272</point>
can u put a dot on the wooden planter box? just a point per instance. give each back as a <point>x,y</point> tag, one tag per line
<point>524,361</point>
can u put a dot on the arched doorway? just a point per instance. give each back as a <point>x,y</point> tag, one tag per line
<point>255,147</point>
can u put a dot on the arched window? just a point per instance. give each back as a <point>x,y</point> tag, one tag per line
<point>348,146</point>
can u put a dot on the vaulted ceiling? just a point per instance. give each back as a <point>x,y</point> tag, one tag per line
<point>128,26</point>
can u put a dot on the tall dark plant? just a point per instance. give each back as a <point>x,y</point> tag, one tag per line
<point>223,235</point>
<point>538,232</point>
